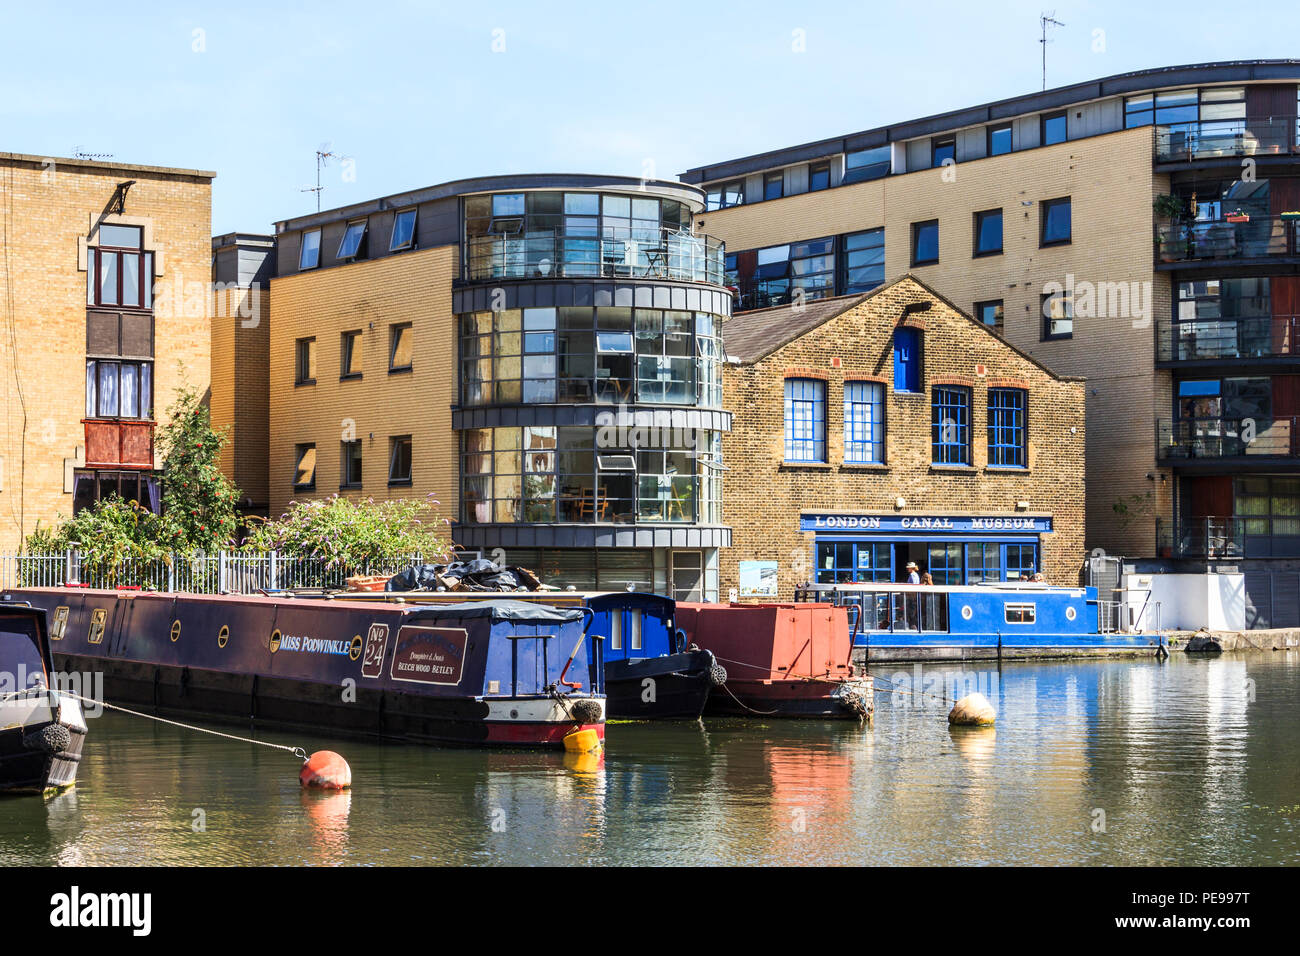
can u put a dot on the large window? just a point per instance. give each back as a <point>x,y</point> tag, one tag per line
<point>907,360</point>
<point>1055,222</point>
<point>725,195</point>
<point>399,460</point>
<point>950,426</point>
<point>864,426</point>
<point>805,420</point>
<point>1268,507</point>
<point>786,273</point>
<point>863,164</point>
<point>990,313</point>
<point>304,469</point>
<point>119,272</point>
<point>1058,315</point>
<point>864,261</point>
<point>304,361</point>
<point>117,389</point>
<point>1007,427</point>
<point>925,242</point>
<point>847,562</point>
<point>1053,128</point>
<point>988,232</point>
<point>1165,109</point>
<point>999,139</point>
<point>93,485</point>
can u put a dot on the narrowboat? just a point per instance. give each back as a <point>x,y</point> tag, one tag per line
<point>500,672</point>
<point>782,660</point>
<point>41,730</point>
<point>974,621</point>
<point>650,672</point>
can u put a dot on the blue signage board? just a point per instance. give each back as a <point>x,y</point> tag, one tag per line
<point>917,523</point>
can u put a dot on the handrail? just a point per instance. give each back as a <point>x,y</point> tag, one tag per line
<point>1208,139</point>
<point>1227,337</point>
<point>1220,437</point>
<point>1252,236</point>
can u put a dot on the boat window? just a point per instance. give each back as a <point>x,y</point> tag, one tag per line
<point>1020,613</point>
<point>636,631</point>
<point>20,655</point>
<point>616,631</point>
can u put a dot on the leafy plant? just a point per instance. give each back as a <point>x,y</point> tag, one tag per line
<point>199,502</point>
<point>1167,207</point>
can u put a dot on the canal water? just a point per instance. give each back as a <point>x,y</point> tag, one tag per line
<point>1194,761</point>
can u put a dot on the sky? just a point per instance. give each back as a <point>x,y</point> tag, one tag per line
<point>409,94</point>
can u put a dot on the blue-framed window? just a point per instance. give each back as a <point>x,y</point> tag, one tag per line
<point>983,562</point>
<point>1019,559</point>
<point>805,420</point>
<point>846,562</point>
<point>907,360</point>
<point>864,426</point>
<point>950,425</point>
<point>945,563</point>
<point>1007,427</point>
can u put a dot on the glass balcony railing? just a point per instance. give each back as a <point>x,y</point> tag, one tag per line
<point>1211,139</point>
<point>1233,237</point>
<point>1228,537</point>
<point>1247,337</point>
<point>558,253</point>
<point>1216,438</point>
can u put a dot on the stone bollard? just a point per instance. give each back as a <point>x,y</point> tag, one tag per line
<point>973,710</point>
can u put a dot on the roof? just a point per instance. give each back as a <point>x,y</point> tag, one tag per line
<point>104,165</point>
<point>524,611</point>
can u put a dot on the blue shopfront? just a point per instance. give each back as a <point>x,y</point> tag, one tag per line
<point>955,549</point>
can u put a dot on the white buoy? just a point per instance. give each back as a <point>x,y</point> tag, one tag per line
<point>973,710</point>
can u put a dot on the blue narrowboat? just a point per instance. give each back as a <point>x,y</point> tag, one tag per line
<point>650,671</point>
<point>495,672</point>
<point>894,619</point>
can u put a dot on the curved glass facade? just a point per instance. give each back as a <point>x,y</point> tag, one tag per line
<point>604,355</point>
<point>590,475</point>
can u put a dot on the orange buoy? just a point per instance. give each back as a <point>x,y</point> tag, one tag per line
<point>326,770</point>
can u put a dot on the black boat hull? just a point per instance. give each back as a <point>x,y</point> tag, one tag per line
<point>673,687</point>
<point>25,769</point>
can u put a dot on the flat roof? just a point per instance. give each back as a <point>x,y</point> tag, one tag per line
<point>106,165</point>
<point>1166,77</point>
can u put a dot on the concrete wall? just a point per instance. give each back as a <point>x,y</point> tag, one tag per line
<point>1187,601</point>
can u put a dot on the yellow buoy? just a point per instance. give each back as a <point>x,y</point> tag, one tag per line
<point>582,741</point>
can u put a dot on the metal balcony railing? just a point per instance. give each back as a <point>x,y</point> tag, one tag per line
<point>1214,438</point>
<point>1212,139</point>
<point>1228,537</point>
<point>1244,337</point>
<point>1247,236</point>
<point>559,253</point>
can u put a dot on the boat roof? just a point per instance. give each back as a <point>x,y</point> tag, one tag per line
<point>517,611</point>
<point>1023,587</point>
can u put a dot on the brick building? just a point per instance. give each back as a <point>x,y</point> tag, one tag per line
<point>877,429</point>
<point>104,295</point>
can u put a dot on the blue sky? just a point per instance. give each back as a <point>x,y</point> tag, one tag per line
<point>415,93</point>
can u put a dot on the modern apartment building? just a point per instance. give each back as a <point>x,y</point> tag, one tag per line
<point>540,354</point>
<point>104,271</point>
<point>1139,231</point>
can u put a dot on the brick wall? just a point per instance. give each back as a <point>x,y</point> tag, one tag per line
<point>763,497</point>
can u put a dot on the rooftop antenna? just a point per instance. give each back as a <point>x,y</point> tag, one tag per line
<point>323,155</point>
<point>1046,20</point>
<point>79,153</point>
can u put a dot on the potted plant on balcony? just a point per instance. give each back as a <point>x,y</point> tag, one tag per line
<point>1170,238</point>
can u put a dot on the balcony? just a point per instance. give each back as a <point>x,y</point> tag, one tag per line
<point>118,443</point>
<point>1217,139</point>
<point>1228,339</point>
<point>1228,537</point>
<point>1243,238</point>
<point>1223,439</point>
<point>565,254</point>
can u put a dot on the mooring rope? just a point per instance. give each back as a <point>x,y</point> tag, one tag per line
<point>296,751</point>
<point>943,699</point>
<point>761,713</point>
<point>768,669</point>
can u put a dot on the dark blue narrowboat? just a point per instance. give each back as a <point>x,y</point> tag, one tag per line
<point>497,672</point>
<point>650,672</point>
<point>892,619</point>
<point>41,730</point>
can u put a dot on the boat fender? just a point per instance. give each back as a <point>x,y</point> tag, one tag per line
<point>973,710</point>
<point>52,738</point>
<point>582,742</point>
<point>325,770</point>
<point>585,711</point>
<point>853,700</point>
<point>717,675</point>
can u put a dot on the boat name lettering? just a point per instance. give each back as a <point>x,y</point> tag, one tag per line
<point>312,645</point>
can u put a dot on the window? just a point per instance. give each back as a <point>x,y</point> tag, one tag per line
<point>119,273</point>
<point>304,361</point>
<point>350,473</point>
<point>1137,110</point>
<point>999,139</point>
<point>807,268</point>
<point>725,195</point>
<point>907,360</point>
<point>1007,428</point>
<point>943,150</point>
<point>1020,613</point>
<point>845,562</point>
<point>1058,315</point>
<point>399,460</point>
<point>351,355</point>
<point>950,425</point>
<point>805,420</point>
<point>403,231</point>
<point>119,389</point>
<point>1055,224</point>
<point>309,251</point>
<point>304,470</point>
<point>1021,561</point>
<point>864,430</point>
<point>1054,128</point>
<point>925,242</point>
<point>773,186</point>
<point>399,347</point>
<point>990,313</point>
<point>819,176</point>
<point>91,486</point>
<point>864,261</point>
<point>863,164</point>
<point>351,245</point>
<point>988,233</point>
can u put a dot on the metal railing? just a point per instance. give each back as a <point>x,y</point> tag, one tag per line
<point>559,253</point>
<point>1248,236</point>
<point>1246,337</point>
<point>1226,438</point>
<point>1228,537</point>
<point>1211,139</point>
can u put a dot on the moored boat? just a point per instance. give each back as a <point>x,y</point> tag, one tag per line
<point>41,730</point>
